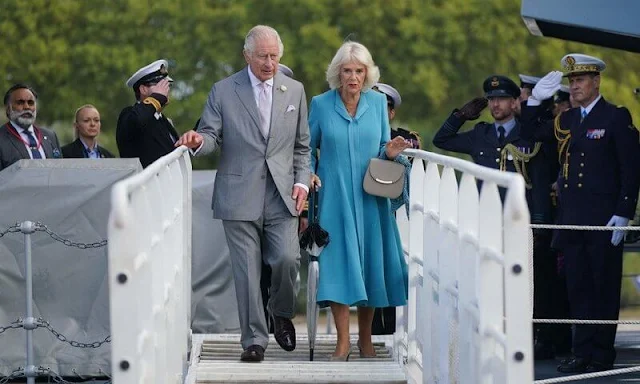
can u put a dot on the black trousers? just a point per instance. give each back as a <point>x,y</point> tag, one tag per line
<point>549,295</point>
<point>594,274</point>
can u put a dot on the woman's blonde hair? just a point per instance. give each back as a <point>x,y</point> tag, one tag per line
<point>350,52</point>
<point>75,121</point>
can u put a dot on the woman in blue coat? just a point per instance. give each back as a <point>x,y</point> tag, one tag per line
<point>363,265</point>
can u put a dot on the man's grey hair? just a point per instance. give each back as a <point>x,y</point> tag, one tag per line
<point>260,32</point>
<point>352,52</point>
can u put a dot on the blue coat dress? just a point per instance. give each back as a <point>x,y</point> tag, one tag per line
<point>363,263</point>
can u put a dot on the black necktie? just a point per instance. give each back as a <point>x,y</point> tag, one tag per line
<point>33,145</point>
<point>501,135</point>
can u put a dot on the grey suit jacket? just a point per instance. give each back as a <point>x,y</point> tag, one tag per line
<point>231,122</point>
<point>13,149</point>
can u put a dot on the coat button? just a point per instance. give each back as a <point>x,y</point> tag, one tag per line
<point>498,149</point>
<point>497,160</point>
<point>579,185</point>
<point>582,154</point>
<point>566,185</point>
<point>579,174</point>
<point>482,153</point>
<point>582,164</point>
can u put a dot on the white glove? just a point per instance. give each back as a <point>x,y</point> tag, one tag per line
<point>547,87</point>
<point>617,221</point>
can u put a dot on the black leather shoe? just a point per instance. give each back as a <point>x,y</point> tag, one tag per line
<point>596,366</point>
<point>253,354</point>
<point>574,365</point>
<point>284,333</point>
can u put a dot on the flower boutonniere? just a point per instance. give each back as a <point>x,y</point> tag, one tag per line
<point>283,88</point>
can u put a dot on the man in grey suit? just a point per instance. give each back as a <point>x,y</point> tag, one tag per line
<point>258,119</point>
<point>19,138</point>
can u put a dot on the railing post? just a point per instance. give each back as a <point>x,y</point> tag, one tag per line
<point>448,263</point>
<point>431,199</point>
<point>519,353</point>
<point>491,290</point>
<point>29,322</point>
<point>415,257</point>
<point>467,283</point>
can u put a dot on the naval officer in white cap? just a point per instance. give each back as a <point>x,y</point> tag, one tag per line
<point>143,130</point>
<point>598,185</point>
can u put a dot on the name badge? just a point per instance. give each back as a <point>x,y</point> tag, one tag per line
<point>595,134</point>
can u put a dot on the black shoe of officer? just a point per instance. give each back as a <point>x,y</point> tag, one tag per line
<point>574,365</point>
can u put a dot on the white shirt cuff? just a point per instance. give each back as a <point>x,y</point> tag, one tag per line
<point>303,186</point>
<point>532,102</point>
<point>195,151</point>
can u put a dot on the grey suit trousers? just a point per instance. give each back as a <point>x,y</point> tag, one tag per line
<point>273,237</point>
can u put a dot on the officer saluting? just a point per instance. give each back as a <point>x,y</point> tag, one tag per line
<point>598,185</point>
<point>496,145</point>
<point>143,130</point>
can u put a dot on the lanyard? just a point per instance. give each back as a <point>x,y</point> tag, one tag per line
<point>38,136</point>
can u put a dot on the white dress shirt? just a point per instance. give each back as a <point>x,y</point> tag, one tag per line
<point>25,138</point>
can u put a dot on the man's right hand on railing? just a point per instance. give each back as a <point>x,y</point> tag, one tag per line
<point>190,139</point>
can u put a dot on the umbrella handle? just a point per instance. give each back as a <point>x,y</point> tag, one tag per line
<point>313,206</point>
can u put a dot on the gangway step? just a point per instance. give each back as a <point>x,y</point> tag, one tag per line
<point>216,360</point>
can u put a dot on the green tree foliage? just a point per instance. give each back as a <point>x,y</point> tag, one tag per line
<point>435,52</point>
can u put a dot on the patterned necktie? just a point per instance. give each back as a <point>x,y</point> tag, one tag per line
<point>584,115</point>
<point>264,106</point>
<point>33,146</point>
<point>501,132</point>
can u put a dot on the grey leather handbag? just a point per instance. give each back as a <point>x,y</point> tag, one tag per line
<point>384,178</point>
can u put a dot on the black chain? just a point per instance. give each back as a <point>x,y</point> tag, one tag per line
<point>96,344</point>
<point>43,228</point>
<point>11,229</point>
<point>14,325</point>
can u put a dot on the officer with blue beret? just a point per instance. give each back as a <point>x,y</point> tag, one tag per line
<point>598,185</point>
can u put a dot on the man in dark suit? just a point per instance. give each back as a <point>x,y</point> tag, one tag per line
<point>143,130</point>
<point>19,137</point>
<point>86,129</point>
<point>598,185</point>
<point>495,145</point>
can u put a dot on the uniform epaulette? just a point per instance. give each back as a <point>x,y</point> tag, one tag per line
<point>153,101</point>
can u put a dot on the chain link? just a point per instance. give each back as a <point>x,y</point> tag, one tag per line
<point>12,229</point>
<point>15,374</point>
<point>39,227</point>
<point>14,325</point>
<point>96,344</point>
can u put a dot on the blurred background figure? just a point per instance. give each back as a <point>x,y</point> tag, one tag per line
<point>19,137</point>
<point>86,130</point>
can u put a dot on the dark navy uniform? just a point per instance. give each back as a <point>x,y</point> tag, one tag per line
<point>482,141</point>
<point>599,178</point>
<point>143,131</point>
<point>549,287</point>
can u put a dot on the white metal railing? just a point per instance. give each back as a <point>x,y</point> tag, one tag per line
<point>468,318</point>
<point>150,272</point>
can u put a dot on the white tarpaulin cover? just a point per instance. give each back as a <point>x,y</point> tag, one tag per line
<point>72,198</point>
<point>214,307</point>
<point>70,291</point>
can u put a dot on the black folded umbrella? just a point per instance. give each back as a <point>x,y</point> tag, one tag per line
<point>313,239</point>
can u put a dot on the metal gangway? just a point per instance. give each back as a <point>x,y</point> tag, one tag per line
<point>468,318</point>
